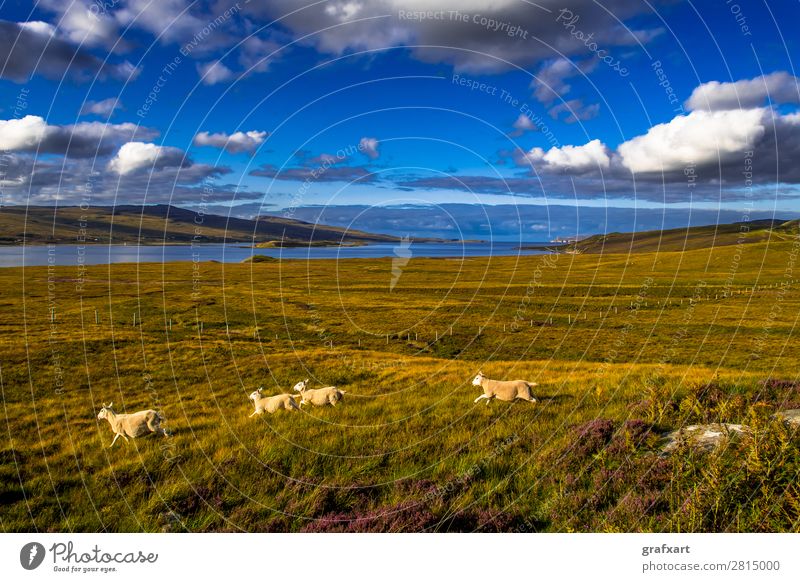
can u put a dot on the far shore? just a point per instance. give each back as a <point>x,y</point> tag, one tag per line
<point>242,244</point>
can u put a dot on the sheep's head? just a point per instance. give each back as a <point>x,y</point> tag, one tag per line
<point>300,386</point>
<point>476,381</point>
<point>105,410</point>
<point>256,394</point>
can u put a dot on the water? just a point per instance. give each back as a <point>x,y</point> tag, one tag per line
<point>66,255</point>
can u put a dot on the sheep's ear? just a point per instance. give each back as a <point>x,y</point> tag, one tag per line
<point>110,404</point>
<point>305,381</point>
<point>260,388</point>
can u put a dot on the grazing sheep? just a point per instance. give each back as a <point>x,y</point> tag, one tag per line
<point>319,396</point>
<point>272,403</point>
<point>131,425</point>
<point>504,390</point>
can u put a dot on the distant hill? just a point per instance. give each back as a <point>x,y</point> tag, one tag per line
<point>162,224</point>
<point>679,239</point>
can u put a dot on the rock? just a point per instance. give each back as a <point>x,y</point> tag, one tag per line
<point>790,418</point>
<point>705,437</point>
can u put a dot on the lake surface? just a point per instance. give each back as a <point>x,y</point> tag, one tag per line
<point>66,255</point>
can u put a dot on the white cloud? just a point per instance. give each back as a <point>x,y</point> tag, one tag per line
<point>524,123</point>
<point>214,72</point>
<point>86,139</point>
<point>83,23</point>
<point>369,147</point>
<point>701,137</point>
<point>170,20</point>
<point>590,156</point>
<point>39,27</point>
<point>238,142</point>
<point>104,108</point>
<point>22,134</point>
<point>779,87</point>
<point>134,156</point>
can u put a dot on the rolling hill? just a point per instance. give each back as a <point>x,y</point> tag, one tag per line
<point>685,239</point>
<point>162,224</point>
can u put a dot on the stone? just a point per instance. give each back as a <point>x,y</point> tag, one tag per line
<point>790,418</point>
<point>705,437</point>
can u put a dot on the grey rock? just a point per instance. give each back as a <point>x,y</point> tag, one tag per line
<point>790,418</point>
<point>705,437</point>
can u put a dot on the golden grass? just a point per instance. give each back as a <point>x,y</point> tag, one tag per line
<point>606,337</point>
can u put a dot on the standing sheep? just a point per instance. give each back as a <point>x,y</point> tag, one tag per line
<point>131,425</point>
<point>272,403</point>
<point>319,396</point>
<point>504,390</point>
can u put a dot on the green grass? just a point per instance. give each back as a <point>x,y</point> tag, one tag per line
<point>624,348</point>
<point>687,239</point>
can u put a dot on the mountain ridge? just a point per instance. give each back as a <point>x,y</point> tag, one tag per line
<point>163,224</point>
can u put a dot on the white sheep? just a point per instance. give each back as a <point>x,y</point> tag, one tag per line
<point>132,425</point>
<point>272,403</point>
<point>319,396</point>
<point>504,390</point>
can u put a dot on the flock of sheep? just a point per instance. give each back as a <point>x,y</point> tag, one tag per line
<point>147,422</point>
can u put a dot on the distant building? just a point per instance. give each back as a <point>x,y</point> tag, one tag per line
<point>567,239</point>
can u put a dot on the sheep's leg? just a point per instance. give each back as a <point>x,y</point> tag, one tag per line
<point>116,436</point>
<point>252,415</point>
<point>481,397</point>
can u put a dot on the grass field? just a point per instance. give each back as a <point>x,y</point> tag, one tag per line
<point>624,348</point>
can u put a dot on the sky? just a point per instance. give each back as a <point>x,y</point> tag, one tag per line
<point>527,120</point>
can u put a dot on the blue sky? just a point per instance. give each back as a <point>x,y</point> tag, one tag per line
<point>257,107</point>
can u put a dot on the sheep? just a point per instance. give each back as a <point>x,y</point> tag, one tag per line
<point>319,396</point>
<point>272,403</point>
<point>132,425</point>
<point>504,390</point>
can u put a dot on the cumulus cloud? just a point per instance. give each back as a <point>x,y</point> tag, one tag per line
<point>87,139</point>
<point>136,156</point>
<point>779,87</point>
<point>339,26</point>
<point>28,180</point>
<point>369,147</point>
<point>590,156</point>
<point>81,22</point>
<point>104,108</point>
<point>700,138</point>
<point>235,143</point>
<point>214,72</point>
<point>170,20</point>
<point>34,48</point>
